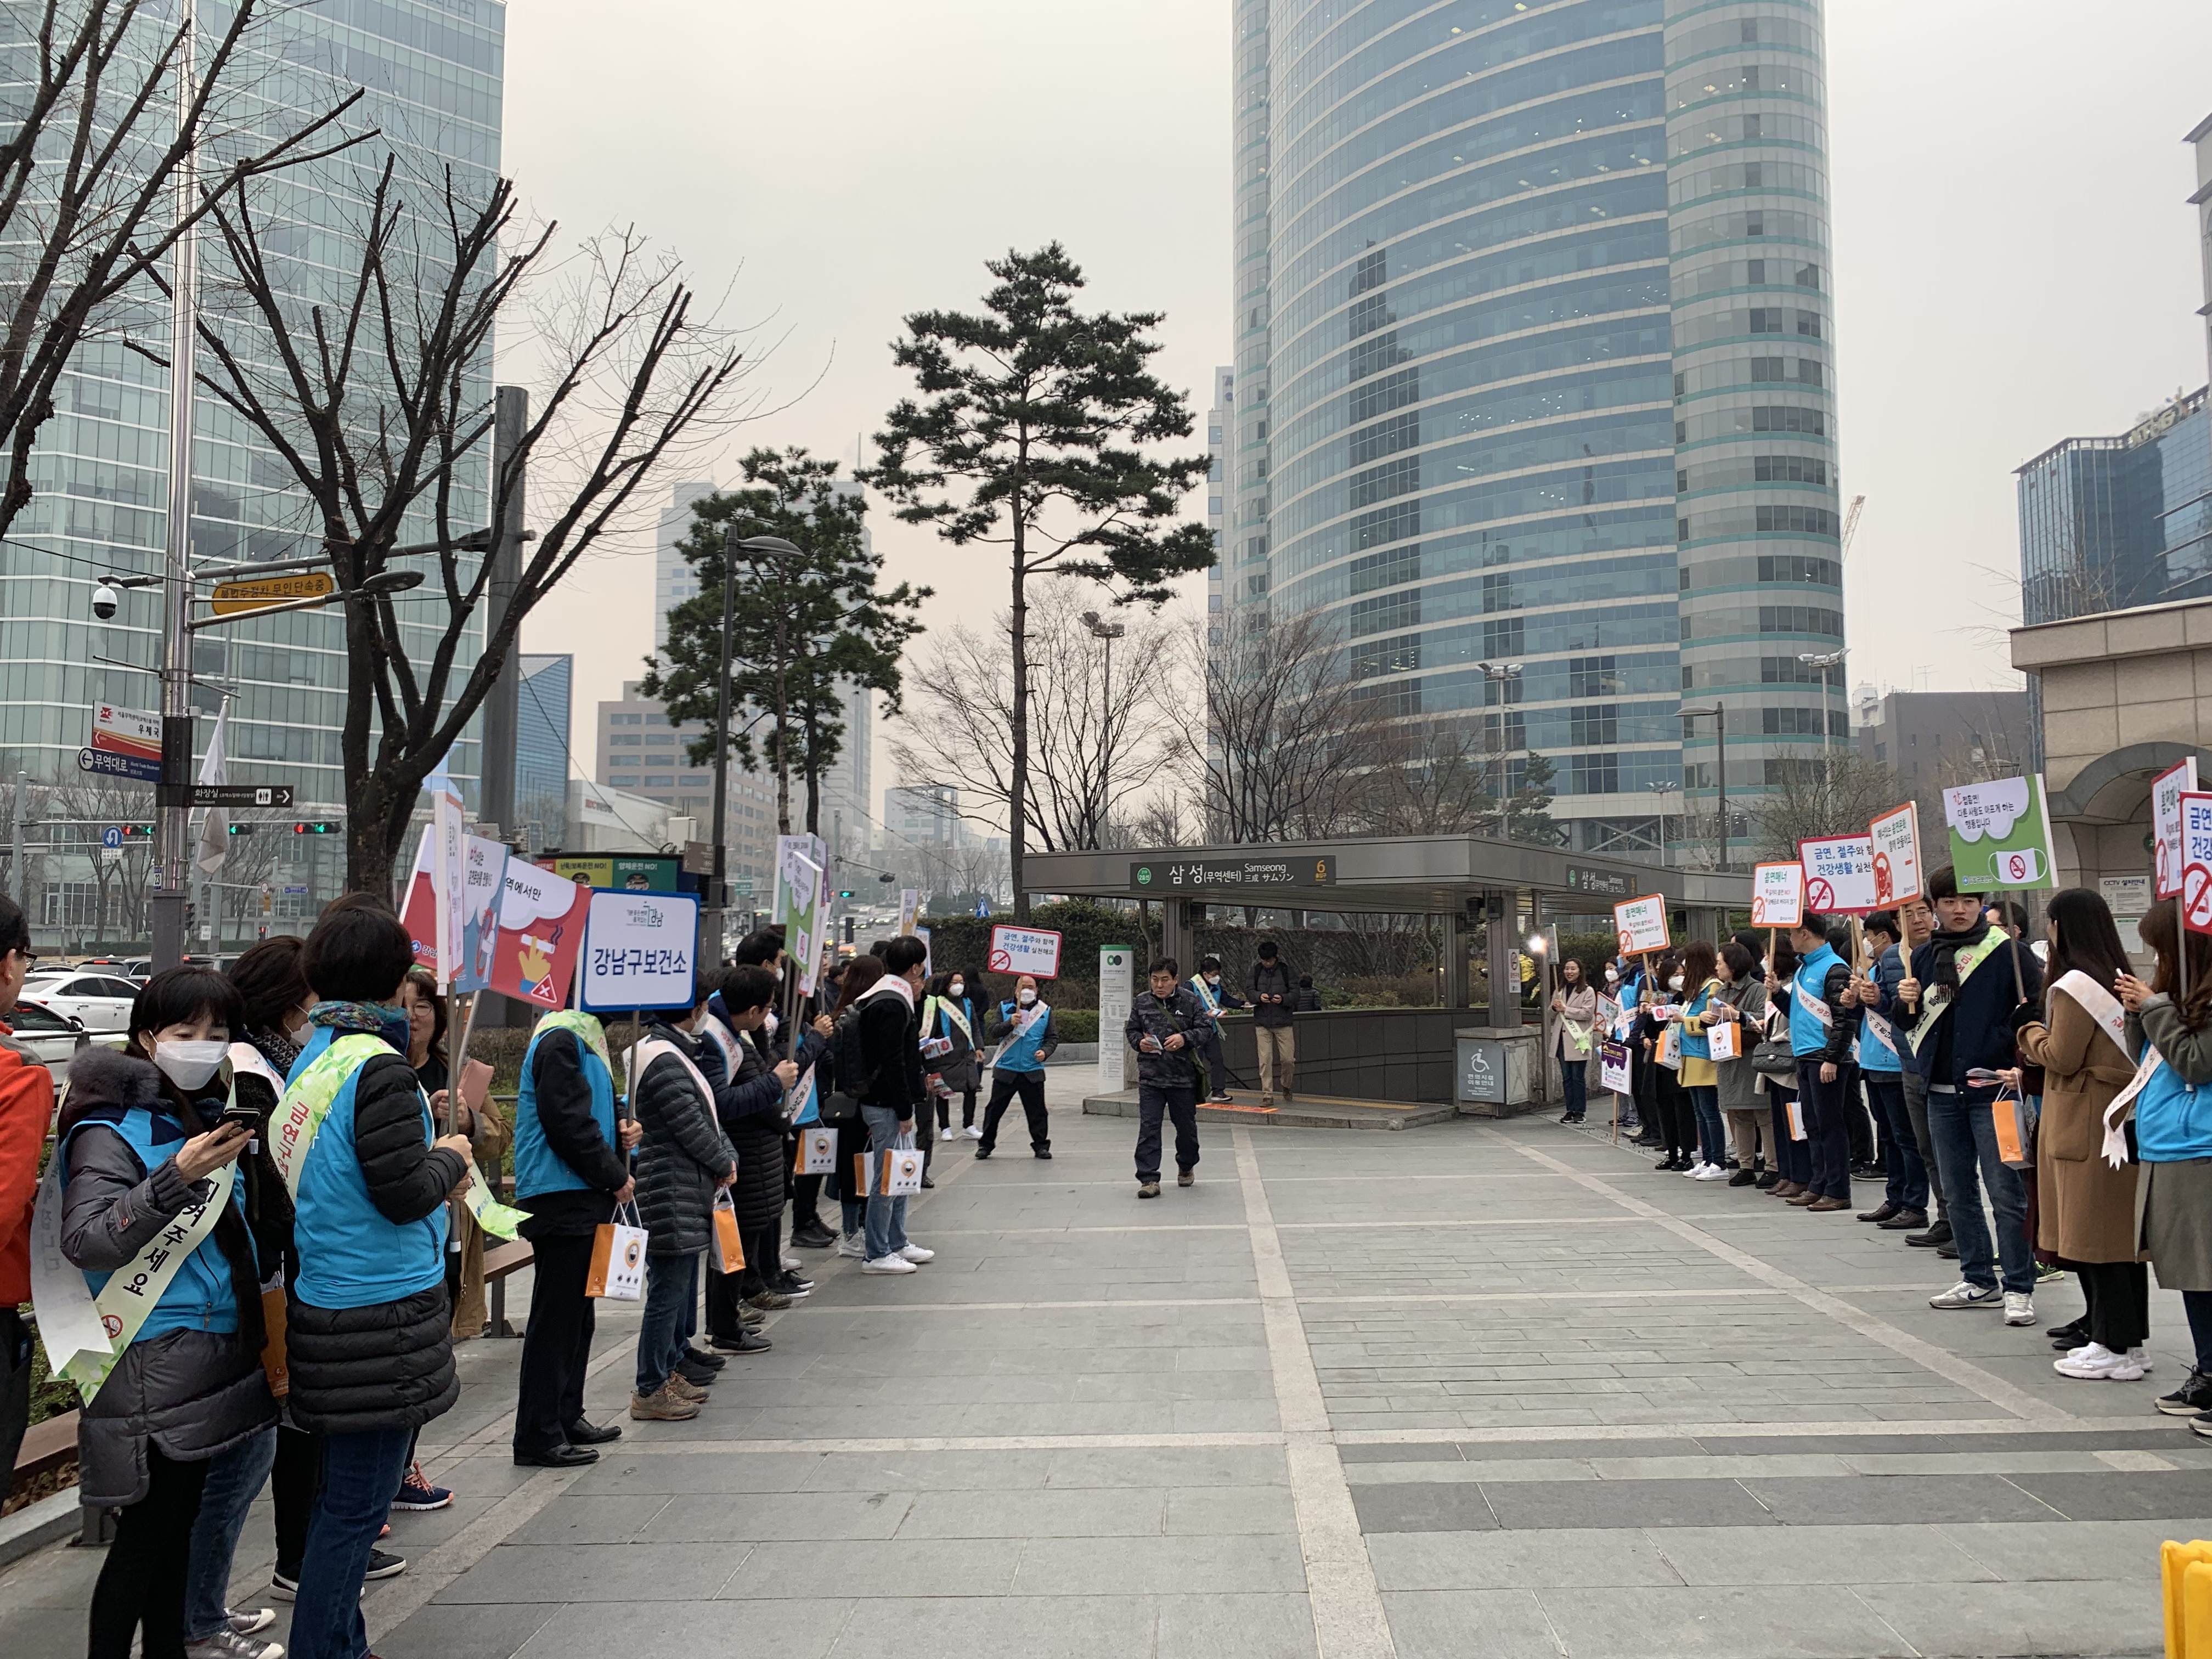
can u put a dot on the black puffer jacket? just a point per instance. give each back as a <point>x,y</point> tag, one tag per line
<point>684,1152</point>
<point>389,1366</point>
<point>750,1108</point>
<point>193,1394</point>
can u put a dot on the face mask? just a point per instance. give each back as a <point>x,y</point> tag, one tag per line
<point>1026,998</point>
<point>1612,974</point>
<point>1213,979</point>
<point>1675,983</point>
<point>779,972</point>
<point>189,1065</point>
<point>955,989</point>
<point>297,1036</point>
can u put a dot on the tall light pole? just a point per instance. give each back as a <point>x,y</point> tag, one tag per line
<point>1824,660</point>
<point>1108,632</point>
<point>1501,674</point>
<point>714,915</point>
<point>1661,789</point>
<point>1719,715</point>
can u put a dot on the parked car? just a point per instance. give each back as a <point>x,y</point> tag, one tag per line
<point>138,968</point>
<point>52,1038</point>
<point>101,1000</point>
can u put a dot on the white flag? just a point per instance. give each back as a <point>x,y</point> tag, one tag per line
<point>215,768</point>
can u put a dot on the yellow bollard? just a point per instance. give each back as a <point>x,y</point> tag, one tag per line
<point>2196,1609</point>
<point>2174,1562</point>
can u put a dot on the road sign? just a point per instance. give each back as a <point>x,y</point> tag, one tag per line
<point>241,794</point>
<point>127,730</point>
<point>232,598</point>
<point>109,763</point>
<point>112,836</point>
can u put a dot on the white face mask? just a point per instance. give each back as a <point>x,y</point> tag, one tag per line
<point>1026,998</point>
<point>955,989</point>
<point>189,1065</point>
<point>1214,978</point>
<point>299,1035</point>
<point>1675,983</point>
<point>1612,975</point>
<point>779,972</point>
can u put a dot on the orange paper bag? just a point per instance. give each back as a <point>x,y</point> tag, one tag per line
<point>729,1252</point>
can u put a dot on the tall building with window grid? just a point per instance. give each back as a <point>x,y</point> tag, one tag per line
<point>1535,366</point>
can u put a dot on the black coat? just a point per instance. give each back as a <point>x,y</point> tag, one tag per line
<point>1180,1013</point>
<point>750,1108</point>
<point>390,1366</point>
<point>1273,981</point>
<point>684,1153</point>
<point>890,1038</point>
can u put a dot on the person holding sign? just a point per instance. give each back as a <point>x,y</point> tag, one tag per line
<point>1822,1026</point>
<point>1025,1036</point>
<point>2085,1207</point>
<point>1206,986</point>
<point>1166,1026</point>
<point>1575,1004</point>
<point>1905,1202</point>
<point>1958,1002</point>
<point>571,1173</point>
<point>152,1212</point>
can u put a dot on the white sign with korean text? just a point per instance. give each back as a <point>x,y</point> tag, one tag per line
<point>2196,860</point>
<point>1777,895</point>
<point>1895,838</point>
<point>637,951</point>
<point>1641,924</point>
<point>2166,792</point>
<point>1838,875</point>
<point>1032,950</point>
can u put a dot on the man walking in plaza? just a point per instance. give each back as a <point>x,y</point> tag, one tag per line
<point>1166,1024</point>
<point>1270,987</point>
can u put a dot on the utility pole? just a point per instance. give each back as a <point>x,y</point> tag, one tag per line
<point>1108,632</point>
<point>713,914</point>
<point>502,706</point>
<point>18,878</point>
<point>1825,660</point>
<point>1719,714</point>
<point>172,796</point>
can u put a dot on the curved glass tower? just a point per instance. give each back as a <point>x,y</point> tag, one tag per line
<point>1492,364</point>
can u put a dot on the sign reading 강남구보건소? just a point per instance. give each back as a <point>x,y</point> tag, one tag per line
<point>1174,874</point>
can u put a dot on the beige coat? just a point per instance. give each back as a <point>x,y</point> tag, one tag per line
<point>471,1313</point>
<point>2085,1209</point>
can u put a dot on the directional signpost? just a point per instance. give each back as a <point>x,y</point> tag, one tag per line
<point>234,599</point>
<point>241,794</point>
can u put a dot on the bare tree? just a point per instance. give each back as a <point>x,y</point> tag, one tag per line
<point>1824,793</point>
<point>375,400</point>
<point>73,813</point>
<point>89,170</point>
<point>1289,734</point>
<point>1092,747</point>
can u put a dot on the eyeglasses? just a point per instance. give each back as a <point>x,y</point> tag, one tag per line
<point>30,958</point>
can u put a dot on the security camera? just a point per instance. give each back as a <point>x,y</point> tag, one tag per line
<point>104,602</point>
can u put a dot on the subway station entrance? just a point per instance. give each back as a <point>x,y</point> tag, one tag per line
<point>1388,1066</point>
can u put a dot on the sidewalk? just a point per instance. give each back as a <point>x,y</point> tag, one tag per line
<point>1466,1390</point>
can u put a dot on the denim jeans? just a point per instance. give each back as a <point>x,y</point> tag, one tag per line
<point>1713,1135</point>
<point>233,1482</point>
<point>886,1217</point>
<point>1966,1136</point>
<point>671,1297</point>
<point>360,1472</point>
<point>1908,1175</point>
<point>1574,1083</point>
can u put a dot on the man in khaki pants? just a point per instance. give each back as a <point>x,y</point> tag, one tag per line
<point>1270,987</point>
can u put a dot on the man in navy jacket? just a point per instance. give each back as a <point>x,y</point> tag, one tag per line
<point>1958,1004</point>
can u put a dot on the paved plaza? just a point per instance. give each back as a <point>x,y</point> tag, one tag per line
<point>1465,1390</point>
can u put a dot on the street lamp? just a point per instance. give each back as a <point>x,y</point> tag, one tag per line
<point>712,914</point>
<point>1662,788</point>
<point>1501,674</point>
<point>1824,660</point>
<point>1719,716</point>
<point>1108,632</point>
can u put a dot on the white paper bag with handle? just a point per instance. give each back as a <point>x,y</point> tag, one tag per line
<point>902,1172</point>
<point>618,1271</point>
<point>1722,1040</point>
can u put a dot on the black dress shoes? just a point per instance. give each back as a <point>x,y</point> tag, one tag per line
<point>557,1457</point>
<point>581,1433</point>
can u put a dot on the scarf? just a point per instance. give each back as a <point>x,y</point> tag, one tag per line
<point>1947,947</point>
<point>279,1050</point>
<point>376,1018</point>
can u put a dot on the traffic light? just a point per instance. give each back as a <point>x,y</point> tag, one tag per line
<point>137,832</point>
<point>241,828</point>
<point>322,829</point>
<point>844,892</point>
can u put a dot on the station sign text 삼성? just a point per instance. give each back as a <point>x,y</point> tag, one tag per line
<point>1182,873</point>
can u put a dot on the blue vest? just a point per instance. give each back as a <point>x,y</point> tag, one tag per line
<point>2173,1120</point>
<point>1808,1033</point>
<point>351,1255</point>
<point>199,1296</point>
<point>1021,1054</point>
<point>537,1167</point>
<point>1696,1045</point>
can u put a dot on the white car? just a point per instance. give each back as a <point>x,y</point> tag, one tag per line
<point>52,1038</point>
<point>101,1000</point>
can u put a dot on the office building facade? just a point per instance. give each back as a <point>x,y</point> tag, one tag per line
<point>673,578</point>
<point>642,752</point>
<point>1534,367</point>
<point>543,700</point>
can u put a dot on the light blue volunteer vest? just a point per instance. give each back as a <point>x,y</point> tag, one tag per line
<point>1808,1036</point>
<point>2173,1120</point>
<point>537,1168</point>
<point>351,1254</point>
<point>199,1297</point>
<point>1696,1045</point>
<point>1874,1054</point>
<point>1021,1054</point>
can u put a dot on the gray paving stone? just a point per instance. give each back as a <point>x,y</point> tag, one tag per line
<point>868,1569</point>
<point>1968,1621</point>
<point>1900,1553</point>
<point>580,1572</point>
<point>1469,1624</point>
<point>1563,1560</point>
<point>1210,1511</point>
<point>1003,1627</point>
<point>628,1473</point>
<point>1876,1500</point>
<point>1168,1466</point>
<point>1234,1626</point>
<point>1441,1506</point>
<point>437,1632</point>
<point>777,1517</point>
<point>1616,1503</point>
<point>1159,1566</point>
<point>805,1628</point>
<point>1072,1512</point>
<point>571,1519</point>
<point>2122,1497</point>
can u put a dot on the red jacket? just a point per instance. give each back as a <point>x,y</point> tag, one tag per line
<point>27,1109</point>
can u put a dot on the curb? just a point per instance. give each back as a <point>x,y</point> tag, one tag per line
<point>36,1525</point>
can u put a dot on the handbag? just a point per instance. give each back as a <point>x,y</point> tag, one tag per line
<point>1774,1059</point>
<point>729,1251</point>
<point>618,1270</point>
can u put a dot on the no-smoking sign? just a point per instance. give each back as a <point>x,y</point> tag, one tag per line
<point>1821,894</point>
<point>2196,860</point>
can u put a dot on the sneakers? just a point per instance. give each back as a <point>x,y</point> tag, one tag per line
<point>889,1264</point>
<point>2047,1274</point>
<point>916,1254</point>
<point>972,1132</point>
<point>699,1376</point>
<point>1966,1295</point>
<point>769,1301</point>
<point>855,1245</point>
<point>1221,1100</point>
<point>1936,1235</point>
<point>1695,1169</point>
<point>2019,1309</point>
<point>417,1494</point>
<point>255,1618</point>
<point>812,1238</point>
<point>1186,1177</point>
<point>681,1387</point>
<point>793,1286</point>
<point>944,1134</point>
<point>1149,1189</point>
<point>748,1341</point>
<point>2097,1363</point>
<point>382,1563</point>
<point>229,1644</point>
<point>663,1406</point>
<point>1714,1172</point>
<point>706,1356</point>
<point>1744,1178</point>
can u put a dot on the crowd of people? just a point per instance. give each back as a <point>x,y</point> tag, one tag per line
<point>1979,1075</point>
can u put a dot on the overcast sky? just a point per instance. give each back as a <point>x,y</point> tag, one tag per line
<point>2015,262</point>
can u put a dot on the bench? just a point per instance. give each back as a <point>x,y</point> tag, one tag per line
<point>500,1261</point>
<point>46,1447</point>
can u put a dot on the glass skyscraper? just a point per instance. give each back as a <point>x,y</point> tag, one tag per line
<point>432,71</point>
<point>541,748</point>
<point>1534,366</point>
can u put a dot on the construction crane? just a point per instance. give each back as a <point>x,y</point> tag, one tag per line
<point>1851,526</point>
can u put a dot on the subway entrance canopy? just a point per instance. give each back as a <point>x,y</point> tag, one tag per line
<point>1462,878</point>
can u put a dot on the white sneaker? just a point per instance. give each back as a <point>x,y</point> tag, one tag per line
<point>972,1132</point>
<point>1712,1172</point>
<point>888,1264</point>
<point>1697,1170</point>
<point>916,1254</point>
<point>791,1264</point>
<point>944,1134</point>
<point>2142,1356</point>
<point>855,1245</point>
<point>1964,1295</point>
<point>2099,1364</point>
<point>2020,1308</point>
